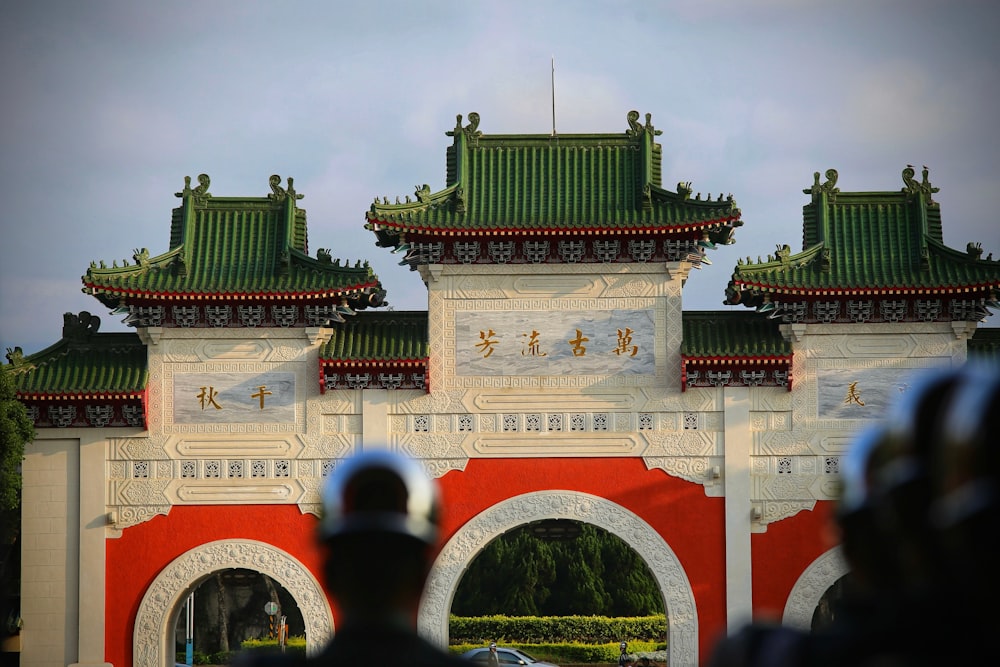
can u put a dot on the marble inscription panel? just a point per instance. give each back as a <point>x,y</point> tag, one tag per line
<point>234,398</point>
<point>537,343</point>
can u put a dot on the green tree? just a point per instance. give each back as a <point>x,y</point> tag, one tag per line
<point>629,582</point>
<point>520,574</point>
<point>16,429</point>
<point>513,575</point>
<point>581,570</point>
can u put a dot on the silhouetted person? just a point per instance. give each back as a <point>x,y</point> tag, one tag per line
<point>623,657</point>
<point>379,530</point>
<point>919,514</point>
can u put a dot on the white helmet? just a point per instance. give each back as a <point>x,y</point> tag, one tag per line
<point>380,492</point>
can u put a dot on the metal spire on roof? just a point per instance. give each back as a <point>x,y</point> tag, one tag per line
<point>553,96</point>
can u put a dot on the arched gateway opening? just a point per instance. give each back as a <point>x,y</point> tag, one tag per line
<point>153,638</point>
<point>682,616</point>
<point>808,591</point>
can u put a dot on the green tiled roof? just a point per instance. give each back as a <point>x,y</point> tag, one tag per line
<point>392,336</point>
<point>83,363</point>
<point>887,243</point>
<point>232,248</point>
<point>732,335</point>
<point>552,184</point>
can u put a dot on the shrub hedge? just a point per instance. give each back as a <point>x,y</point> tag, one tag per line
<point>590,630</point>
<point>558,639</point>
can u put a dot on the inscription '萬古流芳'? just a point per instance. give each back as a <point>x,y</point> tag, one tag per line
<point>559,343</point>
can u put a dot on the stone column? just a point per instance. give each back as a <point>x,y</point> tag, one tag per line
<point>92,567</point>
<point>49,549</point>
<point>737,445</point>
<point>374,419</point>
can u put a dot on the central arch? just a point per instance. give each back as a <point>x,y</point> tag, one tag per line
<point>810,586</point>
<point>470,539</point>
<point>152,641</point>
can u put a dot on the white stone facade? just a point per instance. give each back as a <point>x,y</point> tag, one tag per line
<point>237,416</point>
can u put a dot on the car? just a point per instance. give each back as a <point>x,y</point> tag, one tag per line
<point>506,656</point>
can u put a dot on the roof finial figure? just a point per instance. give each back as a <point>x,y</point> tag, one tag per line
<point>923,188</point>
<point>199,192</point>
<point>279,193</point>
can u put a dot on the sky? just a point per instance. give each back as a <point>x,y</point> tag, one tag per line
<point>109,104</point>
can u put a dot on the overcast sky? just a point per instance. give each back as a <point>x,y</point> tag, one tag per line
<point>108,105</point>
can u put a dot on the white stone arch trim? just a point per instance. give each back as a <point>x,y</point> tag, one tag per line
<point>810,587</point>
<point>470,539</point>
<point>152,640</point>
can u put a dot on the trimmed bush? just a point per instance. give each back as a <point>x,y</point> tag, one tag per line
<point>591,630</point>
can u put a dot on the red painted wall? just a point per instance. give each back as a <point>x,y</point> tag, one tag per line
<point>691,523</point>
<point>781,554</point>
<point>137,557</point>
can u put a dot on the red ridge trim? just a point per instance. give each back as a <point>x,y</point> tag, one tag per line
<point>685,227</point>
<point>202,296</point>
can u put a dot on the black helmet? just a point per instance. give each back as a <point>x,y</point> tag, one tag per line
<point>921,490</point>
<point>380,492</point>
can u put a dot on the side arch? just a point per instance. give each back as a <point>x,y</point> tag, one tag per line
<point>810,587</point>
<point>152,640</point>
<point>470,539</point>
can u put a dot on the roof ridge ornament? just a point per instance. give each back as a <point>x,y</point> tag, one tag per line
<point>80,327</point>
<point>15,357</point>
<point>141,257</point>
<point>471,130</point>
<point>636,129</point>
<point>200,192</point>
<point>829,186</point>
<point>279,193</point>
<point>924,189</point>
<point>783,253</point>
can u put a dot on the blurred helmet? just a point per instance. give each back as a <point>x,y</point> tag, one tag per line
<point>921,490</point>
<point>623,646</point>
<point>380,492</point>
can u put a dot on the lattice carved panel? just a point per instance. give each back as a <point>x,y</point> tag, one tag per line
<point>681,443</point>
<point>433,445</point>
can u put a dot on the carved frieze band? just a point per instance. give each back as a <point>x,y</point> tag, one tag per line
<point>564,444</point>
